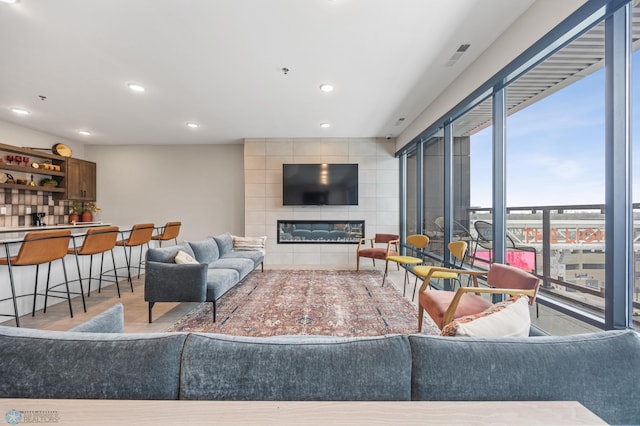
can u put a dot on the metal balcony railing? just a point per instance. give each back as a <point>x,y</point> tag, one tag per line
<point>569,243</point>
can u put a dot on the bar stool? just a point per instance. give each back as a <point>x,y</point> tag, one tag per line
<point>39,247</point>
<point>139,235</point>
<point>96,241</point>
<point>170,231</point>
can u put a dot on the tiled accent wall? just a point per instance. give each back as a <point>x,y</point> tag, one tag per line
<point>378,194</point>
<point>17,200</point>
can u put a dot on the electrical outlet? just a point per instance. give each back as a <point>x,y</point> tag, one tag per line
<point>3,210</point>
<point>28,210</point>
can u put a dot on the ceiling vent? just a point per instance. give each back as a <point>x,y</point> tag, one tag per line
<point>458,53</point>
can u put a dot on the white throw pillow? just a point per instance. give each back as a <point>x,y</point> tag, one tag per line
<point>509,318</point>
<point>183,257</point>
<point>249,243</point>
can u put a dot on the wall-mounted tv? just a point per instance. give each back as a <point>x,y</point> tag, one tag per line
<point>320,184</point>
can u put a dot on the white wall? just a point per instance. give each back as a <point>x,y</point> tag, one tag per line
<point>378,194</point>
<point>538,20</point>
<point>200,185</point>
<point>12,134</point>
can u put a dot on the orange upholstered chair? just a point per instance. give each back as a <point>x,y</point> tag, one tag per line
<point>381,246</point>
<point>37,248</point>
<point>445,306</point>
<point>139,236</point>
<point>170,231</point>
<point>96,241</point>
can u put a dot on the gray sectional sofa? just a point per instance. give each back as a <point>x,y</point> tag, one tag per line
<point>96,360</point>
<point>219,268</point>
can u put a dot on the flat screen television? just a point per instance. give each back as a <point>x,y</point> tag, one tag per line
<point>320,184</point>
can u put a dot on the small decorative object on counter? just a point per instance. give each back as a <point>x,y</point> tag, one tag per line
<point>74,212</point>
<point>32,182</point>
<point>89,209</point>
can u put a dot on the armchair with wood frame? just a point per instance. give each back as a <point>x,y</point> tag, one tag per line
<point>445,306</point>
<point>458,250</point>
<point>416,243</point>
<point>380,247</point>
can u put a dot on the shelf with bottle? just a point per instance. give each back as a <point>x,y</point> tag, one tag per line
<point>36,167</point>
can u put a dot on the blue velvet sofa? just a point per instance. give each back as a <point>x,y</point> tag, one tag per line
<point>96,360</point>
<point>219,267</point>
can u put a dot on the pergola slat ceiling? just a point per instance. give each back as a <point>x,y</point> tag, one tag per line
<point>580,58</point>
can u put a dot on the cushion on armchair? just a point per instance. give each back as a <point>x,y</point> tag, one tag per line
<point>509,318</point>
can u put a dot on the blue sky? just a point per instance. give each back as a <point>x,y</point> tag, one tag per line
<point>555,148</point>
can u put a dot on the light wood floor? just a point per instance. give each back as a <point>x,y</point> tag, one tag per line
<point>165,314</point>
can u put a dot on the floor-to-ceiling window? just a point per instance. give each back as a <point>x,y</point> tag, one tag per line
<point>555,175</point>
<point>433,192</point>
<point>560,173</point>
<point>635,141</point>
<point>472,181</point>
<point>411,193</point>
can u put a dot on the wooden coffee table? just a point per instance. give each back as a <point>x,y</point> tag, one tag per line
<point>140,413</point>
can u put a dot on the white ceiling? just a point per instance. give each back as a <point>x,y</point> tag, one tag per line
<point>219,63</point>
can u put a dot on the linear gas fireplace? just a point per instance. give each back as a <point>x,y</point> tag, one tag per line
<point>320,231</point>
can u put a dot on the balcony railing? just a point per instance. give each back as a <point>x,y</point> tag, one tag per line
<point>563,245</point>
<point>569,243</point>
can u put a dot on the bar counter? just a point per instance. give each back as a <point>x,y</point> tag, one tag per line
<point>15,233</point>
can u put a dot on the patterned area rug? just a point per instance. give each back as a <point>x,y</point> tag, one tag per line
<point>335,303</point>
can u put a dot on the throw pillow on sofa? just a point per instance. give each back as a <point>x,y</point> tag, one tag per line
<point>184,258</point>
<point>249,243</point>
<point>509,318</point>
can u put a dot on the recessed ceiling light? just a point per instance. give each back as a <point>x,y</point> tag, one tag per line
<point>84,132</point>
<point>325,125</point>
<point>193,125</point>
<point>326,87</point>
<point>135,87</point>
<point>9,1</point>
<point>20,111</point>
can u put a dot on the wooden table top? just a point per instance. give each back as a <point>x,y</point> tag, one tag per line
<point>140,413</point>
